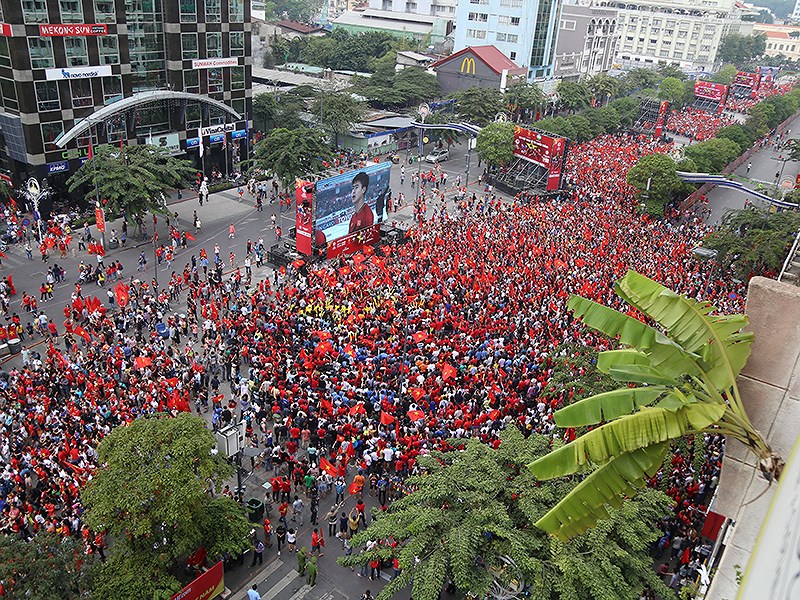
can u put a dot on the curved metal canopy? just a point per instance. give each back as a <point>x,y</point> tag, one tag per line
<point>132,102</point>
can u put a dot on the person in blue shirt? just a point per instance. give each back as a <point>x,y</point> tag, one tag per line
<point>252,594</point>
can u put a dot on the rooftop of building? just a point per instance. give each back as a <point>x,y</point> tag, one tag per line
<point>299,27</point>
<point>490,56</point>
<point>388,20</point>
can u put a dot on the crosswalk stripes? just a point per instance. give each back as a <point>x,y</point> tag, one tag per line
<point>276,589</point>
<point>301,593</point>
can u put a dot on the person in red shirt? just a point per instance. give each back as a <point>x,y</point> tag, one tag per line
<point>363,216</point>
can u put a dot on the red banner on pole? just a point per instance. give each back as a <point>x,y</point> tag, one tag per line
<point>662,116</point>
<point>100,219</point>
<point>304,194</point>
<point>209,585</point>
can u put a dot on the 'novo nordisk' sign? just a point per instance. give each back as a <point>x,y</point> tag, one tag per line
<point>213,129</point>
<point>78,72</point>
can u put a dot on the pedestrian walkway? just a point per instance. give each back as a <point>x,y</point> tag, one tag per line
<point>279,580</point>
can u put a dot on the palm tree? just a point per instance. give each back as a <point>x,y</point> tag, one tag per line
<point>686,376</point>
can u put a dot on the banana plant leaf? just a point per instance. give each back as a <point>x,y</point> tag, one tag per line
<point>645,428</point>
<point>664,353</point>
<point>606,486</point>
<point>718,340</point>
<point>607,406</point>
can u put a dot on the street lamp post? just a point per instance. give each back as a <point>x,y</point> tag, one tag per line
<point>34,191</point>
<point>423,110</point>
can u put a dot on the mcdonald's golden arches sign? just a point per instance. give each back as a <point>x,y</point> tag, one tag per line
<point>468,66</point>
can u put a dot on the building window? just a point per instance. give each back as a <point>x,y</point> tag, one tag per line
<point>188,10</point>
<point>9,91</point>
<point>479,1</point>
<point>75,49</point>
<point>236,11</point>
<point>501,37</point>
<point>34,11</point>
<point>237,78</point>
<point>512,55</point>
<point>116,129</point>
<point>112,89</point>
<point>513,38</point>
<point>50,131</point>
<point>214,80</point>
<point>515,21</point>
<point>191,81</point>
<point>411,6</point>
<point>213,11</point>
<point>81,90</point>
<point>71,11</point>
<point>479,17</point>
<point>566,24</point>
<point>478,34</point>
<point>189,46</point>
<point>238,105</point>
<point>5,53</point>
<point>104,11</point>
<point>108,49</point>
<point>82,141</point>
<point>193,116</point>
<point>41,52</point>
<point>511,3</point>
<point>236,42</point>
<point>213,45</point>
<point>47,95</point>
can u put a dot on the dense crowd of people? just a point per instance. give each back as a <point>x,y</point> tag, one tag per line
<point>367,363</point>
<point>697,124</point>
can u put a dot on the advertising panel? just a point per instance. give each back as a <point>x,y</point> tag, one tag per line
<point>711,91</point>
<point>349,202</point>
<point>304,195</point>
<point>543,150</point>
<point>215,63</point>
<point>78,72</point>
<point>168,141</point>
<point>212,129</point>
<point>100,219</point>
<point>746,79</point>
<point>61,166</point>
<point>73,29</point>
<point>209,585</point>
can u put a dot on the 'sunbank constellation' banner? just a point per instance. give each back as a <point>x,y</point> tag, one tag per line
<point>543,150</point>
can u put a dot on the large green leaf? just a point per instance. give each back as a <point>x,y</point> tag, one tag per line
<point>586,503</point>
<point>718,339</point>
<point>645,428</point>
<point>607,406</point>
<point>665,355</point>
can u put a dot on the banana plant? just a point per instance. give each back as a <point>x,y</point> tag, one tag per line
<point>680,379</point>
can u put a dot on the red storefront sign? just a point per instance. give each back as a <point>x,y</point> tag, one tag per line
<point>72,29</point>
<point>355,241</point>
<point>100,219</point>
<point>304,194</point>
<point>543,150</point>
<point>209,585</point>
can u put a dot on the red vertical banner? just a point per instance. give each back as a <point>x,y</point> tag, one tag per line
<point>662,115</point>
<point>304,194</point>
<point>208,585</point>
<point>100,219</point>
<point>557,148</point>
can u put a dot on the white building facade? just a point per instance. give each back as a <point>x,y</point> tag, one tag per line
<point>434,8</point>
<point>686,33</point>
<point>524,30</point>
<point>587,41</point>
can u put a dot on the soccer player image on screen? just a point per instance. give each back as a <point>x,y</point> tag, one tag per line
<point>363,216</point>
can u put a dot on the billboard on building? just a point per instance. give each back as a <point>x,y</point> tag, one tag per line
<point>168,141</point>
<point>543,150</point>
<point>746,79</point>
<point>351,205</point>
<point>710,91</point>
<point>304,196</point>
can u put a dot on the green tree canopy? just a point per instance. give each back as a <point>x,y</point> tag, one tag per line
<point>495,143</point>
<point>603,87</point>
<point>296,10</point>
<point>47,567</point>
<point>676,378</point>
<point>292,153</point>
<point>573,95</point>
<point>132,180</point>
<point>152,495</point>
<point>522,96</point>
<point>337,111</point>
<point>659,170</point>
<point>672,89</point>
<point>737,133</point>
<point>737,48</point>
<point>277,109</point>
<point>711,156</point>
<point>470,522</point>
<point>726,74</point>
<point>754,242</point>
<point>478,105</point>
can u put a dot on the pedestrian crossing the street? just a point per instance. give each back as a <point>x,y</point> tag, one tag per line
<point>279,580</point>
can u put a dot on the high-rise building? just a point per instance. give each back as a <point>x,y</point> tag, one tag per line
<point>524,30</point>
<point>587,41</point>
<point>686,33</point>
<point>62,61</point>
